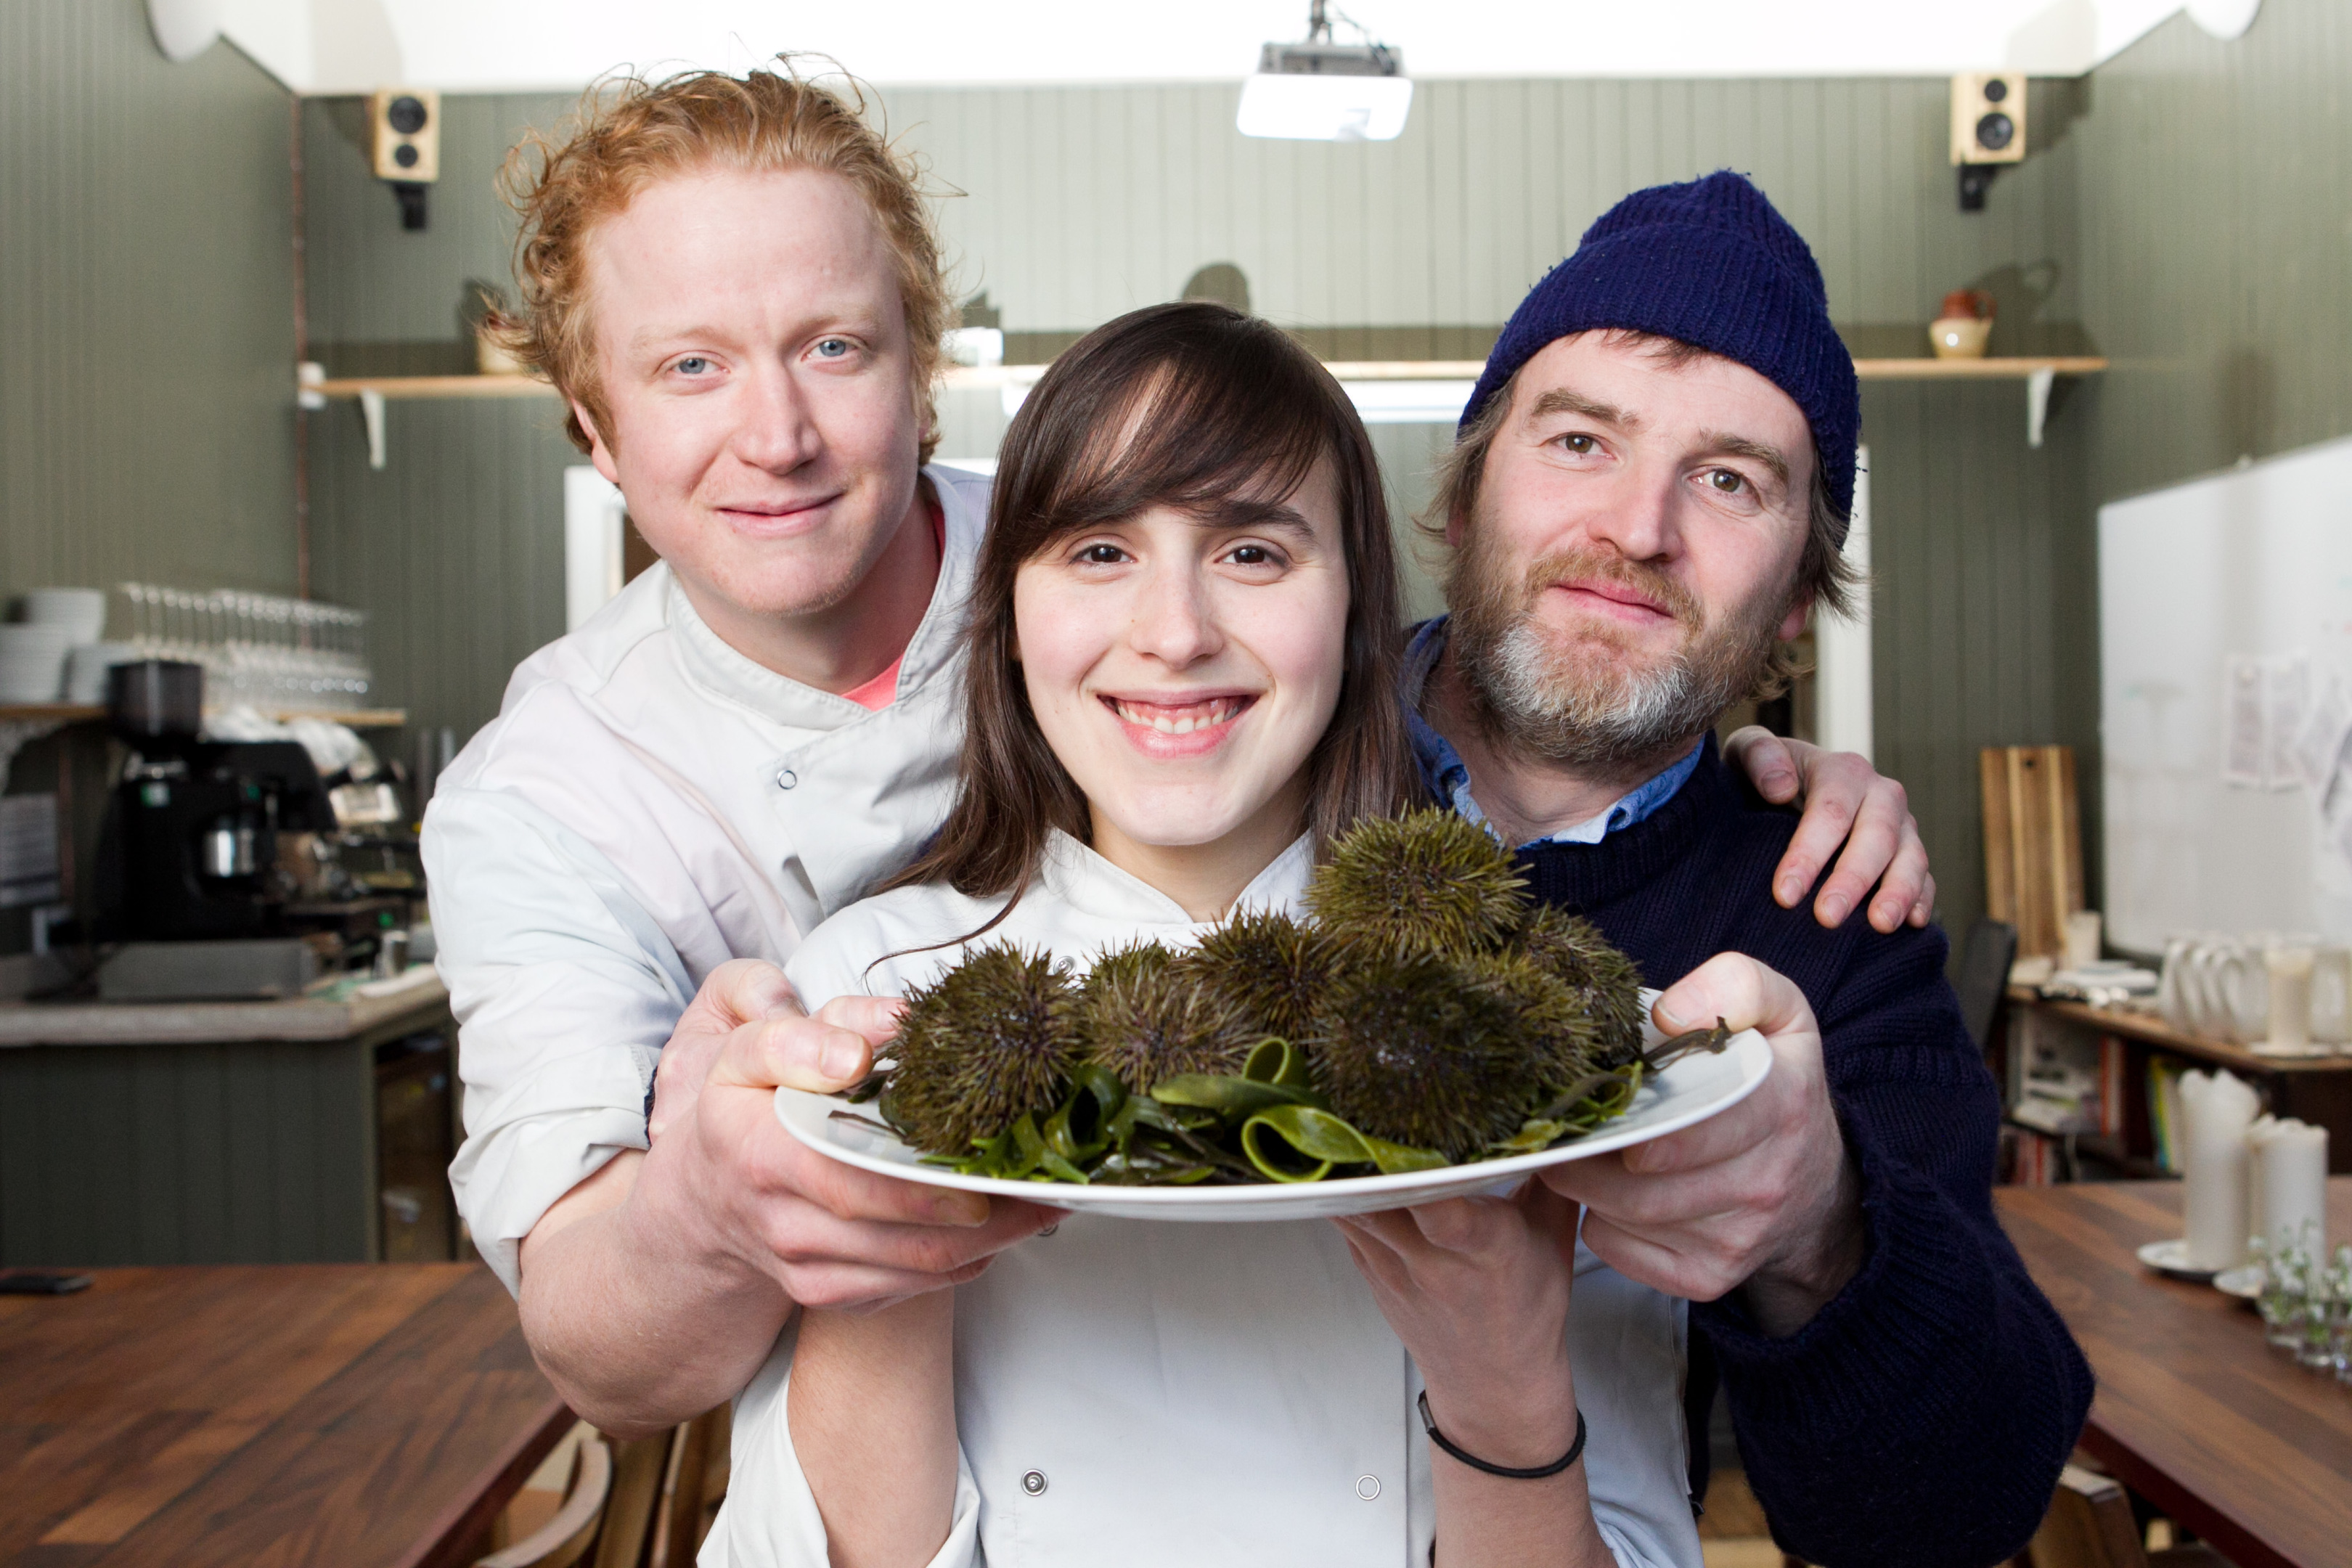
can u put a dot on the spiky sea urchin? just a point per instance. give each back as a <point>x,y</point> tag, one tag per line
<point>1428,881</point>
<point>1143,1016</point>
<point>993,1037</point>
<point>1559,1030</point>
<point>1268,965</point>
<point>1426,1051</point>
<point>1606,984</point>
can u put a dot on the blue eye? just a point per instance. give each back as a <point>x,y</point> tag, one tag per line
<point>693,364</point>
<point>832,348</point>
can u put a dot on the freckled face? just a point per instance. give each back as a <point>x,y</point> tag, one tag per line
<point>1183,672</point>
<point>760,384</point>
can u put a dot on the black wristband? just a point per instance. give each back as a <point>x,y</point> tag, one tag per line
<point>1575,1450</point>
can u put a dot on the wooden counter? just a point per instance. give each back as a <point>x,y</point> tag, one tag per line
<point>2195,1411</point>
<point>361,1416</point>
<point>226,1132</point>
<point>191,1022</point>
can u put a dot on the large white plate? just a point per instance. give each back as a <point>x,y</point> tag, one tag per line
<point>1689,1090</point>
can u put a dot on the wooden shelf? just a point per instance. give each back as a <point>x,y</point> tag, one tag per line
<point>82,713</point>
<point>1975,369</point>
<point>2039,373</point>
<point>2150,1030</point>
<point>395,387</point>
<point>406,386</point>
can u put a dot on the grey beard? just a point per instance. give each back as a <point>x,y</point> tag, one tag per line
<point>1609,718</point>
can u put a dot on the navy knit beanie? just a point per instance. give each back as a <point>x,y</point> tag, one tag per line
<point>1712,264</point>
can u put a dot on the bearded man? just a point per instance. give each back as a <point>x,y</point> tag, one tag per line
<point>1648,495</point>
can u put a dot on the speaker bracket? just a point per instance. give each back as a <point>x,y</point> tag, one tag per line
<point>1975,179</point>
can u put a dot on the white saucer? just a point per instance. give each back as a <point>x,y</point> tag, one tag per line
<point>2244,1282</point>
<point>2170,1259</point>
<point>2310,1051</point>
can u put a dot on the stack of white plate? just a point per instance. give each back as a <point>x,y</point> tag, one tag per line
<point>33,662</point>
<point>80,611</point>
<point>85,669</point>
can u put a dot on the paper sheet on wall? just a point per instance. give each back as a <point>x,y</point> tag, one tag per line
<point>2319,747</point>
<point>2244,740</point>
<point>2286,702</point>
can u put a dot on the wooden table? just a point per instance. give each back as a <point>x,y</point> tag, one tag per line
<point>344,1413</point>
<point>2194,1411</point>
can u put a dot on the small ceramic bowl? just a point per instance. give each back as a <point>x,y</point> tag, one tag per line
<point>1959,337</point>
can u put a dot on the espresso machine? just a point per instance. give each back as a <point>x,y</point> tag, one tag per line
<point>187,868</point>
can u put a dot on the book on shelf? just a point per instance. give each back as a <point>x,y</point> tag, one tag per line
<point>2164,1111</point>
<point>2030,1159</point>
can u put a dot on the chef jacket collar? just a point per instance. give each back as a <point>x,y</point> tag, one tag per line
<point>1083,880</point>
<point>716,664</point>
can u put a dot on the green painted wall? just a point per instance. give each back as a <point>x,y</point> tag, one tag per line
<point>2217,244</point>
<point>146,314</point>
<point>455,547</point>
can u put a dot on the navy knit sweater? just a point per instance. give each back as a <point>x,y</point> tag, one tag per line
<point>1921,1416</point>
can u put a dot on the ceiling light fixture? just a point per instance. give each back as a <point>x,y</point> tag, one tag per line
<point>1325,91</point>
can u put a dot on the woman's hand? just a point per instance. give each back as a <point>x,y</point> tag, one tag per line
<point>1478,1290</point>
<point>1846,801</point>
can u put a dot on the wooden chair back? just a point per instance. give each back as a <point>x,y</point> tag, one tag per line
<point>695,1487</point>
<point>638,1469</point>
<point>565,1538</point>
<point>2089,1525</point>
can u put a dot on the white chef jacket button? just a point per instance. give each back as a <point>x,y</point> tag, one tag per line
<point>786,778</point>
<point>1368,1487</point>
<point>1034,1482</point>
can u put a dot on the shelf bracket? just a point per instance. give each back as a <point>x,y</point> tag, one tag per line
<point>372,413</point>
<point>2037,405</point>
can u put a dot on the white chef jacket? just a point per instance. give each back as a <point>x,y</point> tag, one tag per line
<point>647,804</point>
<point>1151,1393</point>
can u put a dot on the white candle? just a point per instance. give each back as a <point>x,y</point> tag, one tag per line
<point>2217,1110</point>
<point>2291,1169</point>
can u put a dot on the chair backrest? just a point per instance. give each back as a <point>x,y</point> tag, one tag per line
<point>697,1484</point>
<point>2089,1525</point>
<point>1985,959</point>
<point>638,1470</point>
<point>565,1538</point>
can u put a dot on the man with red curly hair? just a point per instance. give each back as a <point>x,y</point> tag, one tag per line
<point>734,284</point>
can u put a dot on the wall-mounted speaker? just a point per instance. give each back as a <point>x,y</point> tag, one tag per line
<point>405,145</point>
<point>404,134</point>
<point>1988,129</point>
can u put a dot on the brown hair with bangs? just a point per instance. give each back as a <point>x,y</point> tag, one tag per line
<point>1197,406</point>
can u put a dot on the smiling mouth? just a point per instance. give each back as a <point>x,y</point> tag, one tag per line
<point>1179,718</point>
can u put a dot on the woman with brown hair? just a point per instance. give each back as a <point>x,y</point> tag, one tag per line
<point>1180,686</point>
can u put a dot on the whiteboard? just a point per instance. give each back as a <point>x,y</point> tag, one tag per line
<point>2228,602</point>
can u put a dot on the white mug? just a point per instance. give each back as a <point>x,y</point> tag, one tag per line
<point>2175,998</point>
<point>2289,975</point>
<point>2331,993</point>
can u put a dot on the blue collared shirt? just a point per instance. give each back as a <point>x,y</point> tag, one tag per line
<point>1448,777</point>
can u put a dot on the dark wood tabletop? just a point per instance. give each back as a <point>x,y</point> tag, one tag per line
<point>348,1413</point>
<point>2195,1411</point>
